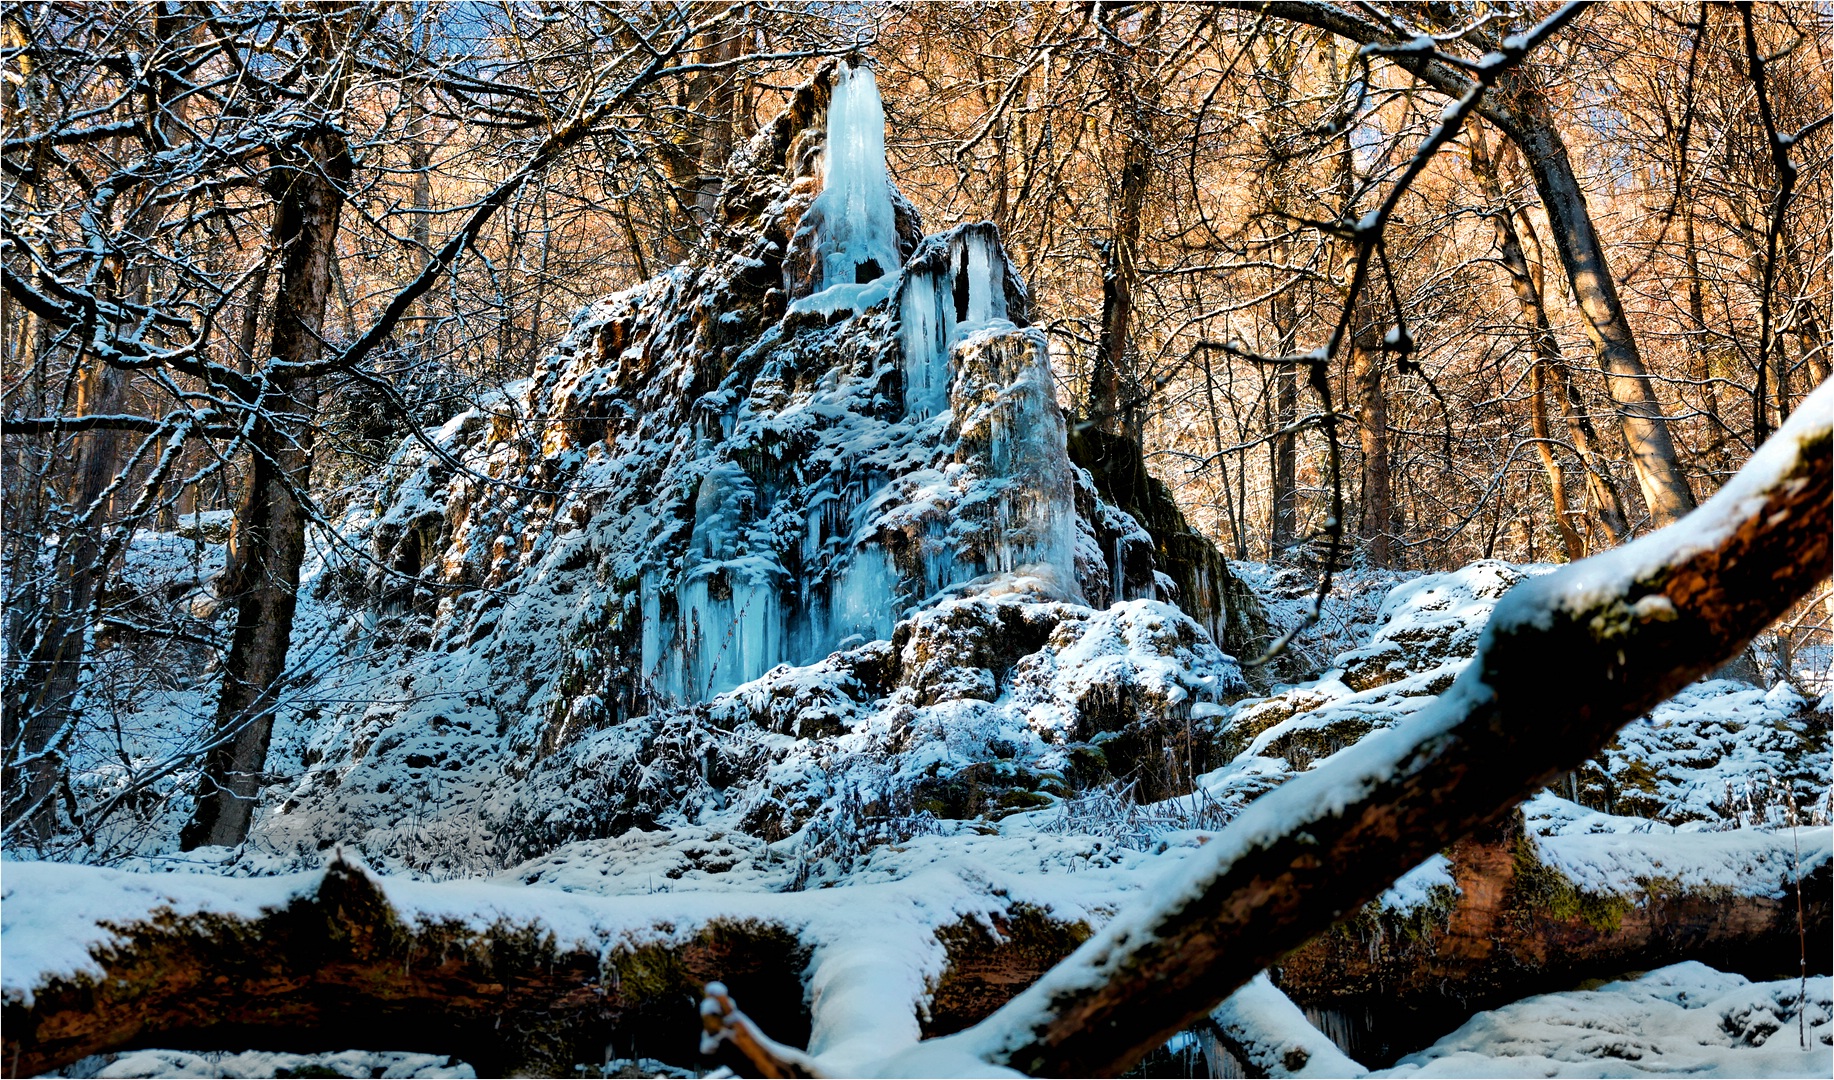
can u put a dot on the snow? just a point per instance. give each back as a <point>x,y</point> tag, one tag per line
<point>1425,885</point>
<point>1607,855</point>
<point>849,297</point>
<point>53,916</point>
<point>1267,1023</point>
<point>1685,1019</point>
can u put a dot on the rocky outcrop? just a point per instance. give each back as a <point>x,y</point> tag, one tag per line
<point>1198,577</point>
<point>718,531</point>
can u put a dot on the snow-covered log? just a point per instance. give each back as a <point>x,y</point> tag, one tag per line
<point>539,980</point>
<point>1261,1026</point>
<point>1566,660</point>
<point>331,960</point>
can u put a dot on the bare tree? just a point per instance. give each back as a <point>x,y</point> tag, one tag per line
<point>212,151</point>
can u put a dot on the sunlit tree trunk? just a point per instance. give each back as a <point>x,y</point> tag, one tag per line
<point>261,582</point>
<point>1116,396</point>
<point>1531,316</point>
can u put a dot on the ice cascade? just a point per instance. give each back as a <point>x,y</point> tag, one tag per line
<point>792,556</point>
<point>955,286</point>
<point>857,243</point>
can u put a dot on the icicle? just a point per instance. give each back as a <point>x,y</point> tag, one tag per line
<point>732,623</point>
<point>660,656</point>
<point>924,337</point>
<point>865,598</point>
<point>985,270</point>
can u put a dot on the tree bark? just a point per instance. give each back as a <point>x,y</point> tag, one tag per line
<point>261,581</point>
<point>1531,315</point>
<point>1550,462</point>
<point>55,667</point>
<point>1652,450</point>
<point>1376,523</point>
<point>49,703</point>
<point>1624,632</point>
<point>1527,278</point>
<point>1283,527</point>
<point>1116,392</point>
<point>1699,352</point>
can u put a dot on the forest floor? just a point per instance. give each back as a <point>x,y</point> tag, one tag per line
<point>1696,797</point>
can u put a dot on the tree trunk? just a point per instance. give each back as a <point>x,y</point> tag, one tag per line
<point>1528,280</point>
<point>1222,463</point>
<point>1652,450</point>
<point>1377,522</point>
<point>1531,316</point>
<point>1702,356</point>
<point>338,968</point>
<point>420,163</point>
<point>1117,394</point>
<point>261,581</point>
<point>1550,463</point>
<point>1516,106</point>
<point>55,671</point>
<point>1283,524</point>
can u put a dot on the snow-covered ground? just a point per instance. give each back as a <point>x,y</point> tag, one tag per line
<point>1682,1020</point>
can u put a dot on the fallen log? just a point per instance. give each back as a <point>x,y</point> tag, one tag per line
<point>1514,926</point>
<point>336,968</point>
<point>1519,927</point>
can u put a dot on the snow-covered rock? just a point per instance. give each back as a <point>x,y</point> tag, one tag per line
<point>788,532</point>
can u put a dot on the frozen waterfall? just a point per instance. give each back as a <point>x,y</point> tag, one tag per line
<point>779,568</point>
<point>857,241</point>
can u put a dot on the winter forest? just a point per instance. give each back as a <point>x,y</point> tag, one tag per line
<point>1230,539</point>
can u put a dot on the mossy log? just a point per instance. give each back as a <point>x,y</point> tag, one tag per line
<point>339,969</point>
<point>1518,926</point>
<point>1514,926</point>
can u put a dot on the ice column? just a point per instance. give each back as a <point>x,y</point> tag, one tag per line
<point>985,271</point>
<point>858,237</point>
<point>924,336</point>
<point>954,286</point>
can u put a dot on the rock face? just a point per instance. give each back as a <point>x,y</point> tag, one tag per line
<point>1196,573</point>
<point>827,441</point>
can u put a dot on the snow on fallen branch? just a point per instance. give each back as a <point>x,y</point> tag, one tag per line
<point>1566,660</point>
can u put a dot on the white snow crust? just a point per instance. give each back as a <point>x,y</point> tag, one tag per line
<point>1686,1019</point>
